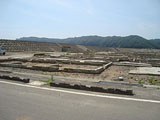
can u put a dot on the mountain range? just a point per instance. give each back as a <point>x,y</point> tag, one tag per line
<point>132,41</point>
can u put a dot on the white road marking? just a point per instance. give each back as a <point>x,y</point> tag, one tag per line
<point>82,93</point>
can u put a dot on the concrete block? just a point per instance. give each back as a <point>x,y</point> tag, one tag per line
<point>15,78</point>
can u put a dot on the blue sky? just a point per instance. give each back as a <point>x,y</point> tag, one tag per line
<point>72,18</point>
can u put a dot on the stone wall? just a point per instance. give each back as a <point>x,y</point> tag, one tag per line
<point>16,46</point>
<point>20,46</point>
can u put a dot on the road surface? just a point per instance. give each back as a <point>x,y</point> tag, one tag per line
<point>20,102</point>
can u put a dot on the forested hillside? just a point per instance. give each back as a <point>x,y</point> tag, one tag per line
<point>132,41</point>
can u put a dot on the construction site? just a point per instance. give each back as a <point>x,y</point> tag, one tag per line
<point>109,70</point>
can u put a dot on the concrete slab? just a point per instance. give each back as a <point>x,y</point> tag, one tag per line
<point>133,64</point>
<point>146,71</point>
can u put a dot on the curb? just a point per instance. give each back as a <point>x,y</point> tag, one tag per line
<point>92,88</point>
<point>119,83</point>
<point>15,78</point>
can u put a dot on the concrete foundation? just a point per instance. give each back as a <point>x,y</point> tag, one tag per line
<point>146,71</point>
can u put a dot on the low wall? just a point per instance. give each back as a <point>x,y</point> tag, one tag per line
<point>60,60</point>
<point>94,88</point>
<point>56,68</point>
<point>88,71</point>
<point>45,68</point>
<point>34,67</point>
<point>15,78</point>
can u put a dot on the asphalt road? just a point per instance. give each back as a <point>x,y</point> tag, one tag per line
<point>27,103</point>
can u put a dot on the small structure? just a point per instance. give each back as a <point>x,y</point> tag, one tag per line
<point>2,51</point>
<point>66,48</point>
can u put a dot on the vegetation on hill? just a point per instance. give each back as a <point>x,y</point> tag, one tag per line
<point>155,41</point>
<point>132,41</point>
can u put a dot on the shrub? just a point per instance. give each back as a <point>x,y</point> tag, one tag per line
<point>48,81</point>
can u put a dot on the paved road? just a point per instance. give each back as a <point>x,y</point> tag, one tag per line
<point>27,103</point>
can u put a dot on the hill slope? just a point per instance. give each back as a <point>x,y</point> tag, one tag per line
<point>132,41</point>
<point>155,41</point>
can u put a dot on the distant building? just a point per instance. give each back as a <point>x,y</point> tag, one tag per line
<point>66,48</point>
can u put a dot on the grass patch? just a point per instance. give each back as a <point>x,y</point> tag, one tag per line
<point>67,54</point>
<point>89,52</point>
<point>48,81</point>
<point>131,77</point>
<point>140,82</point>
<point>153,81</point>
<point>44,73</point>
<point>115,54</point>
